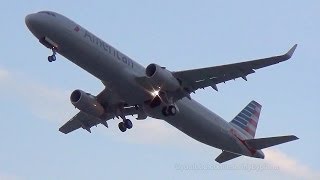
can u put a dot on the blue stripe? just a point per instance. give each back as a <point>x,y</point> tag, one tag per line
<point>255,103</point>
<point>252,106</point>
<point>243,116</point>
<point>241,120</point>
<point>239,124</point>
<point>247,113</point>
<point>246,120</point>
<point>250,110</point>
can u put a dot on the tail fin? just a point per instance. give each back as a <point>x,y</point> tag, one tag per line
<point>262,143</point>
<point>247,120</point>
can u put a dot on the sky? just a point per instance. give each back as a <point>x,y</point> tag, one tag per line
<point>181,34</point>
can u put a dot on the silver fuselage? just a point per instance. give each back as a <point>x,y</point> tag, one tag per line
<point>118,72</point>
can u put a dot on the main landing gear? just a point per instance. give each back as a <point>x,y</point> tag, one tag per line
<point>169,110</point>
<point>53,56</point>
<point>124,125</point>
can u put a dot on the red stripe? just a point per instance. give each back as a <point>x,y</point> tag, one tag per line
<point>253,122</point>
<point>249,131</point>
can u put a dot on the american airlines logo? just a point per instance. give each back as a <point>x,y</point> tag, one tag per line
<point>77,29</point>
<point>115,53</point>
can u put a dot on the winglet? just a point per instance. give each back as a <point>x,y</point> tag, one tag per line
<point>291,51</point>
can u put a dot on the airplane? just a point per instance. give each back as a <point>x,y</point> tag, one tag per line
<point>154,91</point>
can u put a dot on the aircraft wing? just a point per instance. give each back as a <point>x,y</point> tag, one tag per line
<point>81,119</point>
<point>200,78</point>
<point>86,121</point>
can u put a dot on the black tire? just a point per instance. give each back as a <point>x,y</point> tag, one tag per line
<point>122,127</point>
<point>53,57</point>
<point>164,111</point>
<point>49,58</point>
<point>128,124</point>
<point>172,110</point>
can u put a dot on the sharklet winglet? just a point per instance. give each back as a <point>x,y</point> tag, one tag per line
<point>291,51</point>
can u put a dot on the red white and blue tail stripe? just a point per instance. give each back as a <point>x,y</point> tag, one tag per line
<point>247,120</point>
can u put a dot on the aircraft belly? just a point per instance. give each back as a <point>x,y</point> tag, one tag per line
<point>203,125</point>
<point>197,122</point>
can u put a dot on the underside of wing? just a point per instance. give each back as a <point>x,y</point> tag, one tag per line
<point>81,120</point>
<point>86,121</point>
<point>110,104</point>
<point>206,77</point>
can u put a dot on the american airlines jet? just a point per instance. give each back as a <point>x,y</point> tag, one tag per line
<point>154,91</point>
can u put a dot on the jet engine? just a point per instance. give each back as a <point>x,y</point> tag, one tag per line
<point>162,78</point>
<point>86,103</point>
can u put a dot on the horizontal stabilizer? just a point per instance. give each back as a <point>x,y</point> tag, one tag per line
<point>262,143</point>
<point>226,156</point>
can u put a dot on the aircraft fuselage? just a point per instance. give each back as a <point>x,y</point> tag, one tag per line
<point>118,72</point>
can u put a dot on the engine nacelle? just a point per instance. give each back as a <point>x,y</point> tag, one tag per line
<point>86,103</point>
<point>161,77</point>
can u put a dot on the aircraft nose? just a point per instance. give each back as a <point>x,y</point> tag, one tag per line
<point>36,24</point>
<point>30,21</point>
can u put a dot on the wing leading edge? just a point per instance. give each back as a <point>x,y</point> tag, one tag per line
<point>204,77</point>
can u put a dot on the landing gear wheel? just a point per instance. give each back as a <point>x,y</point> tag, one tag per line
<point>172,110</point>
<point>51,58</point>
<point>164,111</point>
<point>122,127</point>
<point>128,123</point>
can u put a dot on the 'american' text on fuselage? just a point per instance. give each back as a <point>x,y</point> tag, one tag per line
<point>108,49</point>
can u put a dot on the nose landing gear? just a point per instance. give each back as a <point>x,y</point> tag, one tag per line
<point>47,42</point>
<point>53,56</point>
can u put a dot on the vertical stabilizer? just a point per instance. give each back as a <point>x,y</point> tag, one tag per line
<point>247,120</point>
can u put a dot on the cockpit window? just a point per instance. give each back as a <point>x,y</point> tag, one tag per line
<point>48,12</point>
